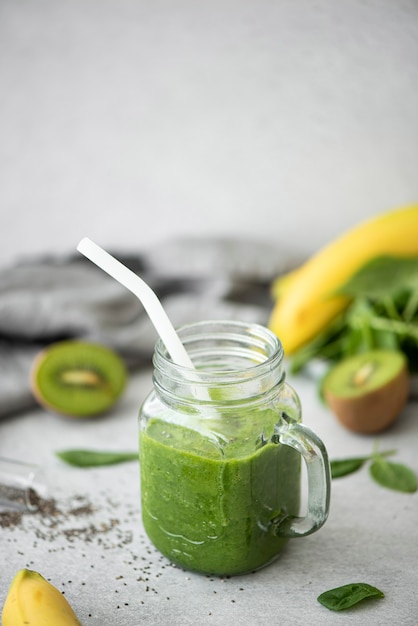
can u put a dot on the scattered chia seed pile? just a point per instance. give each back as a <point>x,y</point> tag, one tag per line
<point>49,520</point>
<point>99,530</point>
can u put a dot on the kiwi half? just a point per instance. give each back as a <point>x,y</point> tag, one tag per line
<point>78,378</point>
<point>367,391</point>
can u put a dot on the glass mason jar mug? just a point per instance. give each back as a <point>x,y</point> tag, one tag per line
<point>220,448</point>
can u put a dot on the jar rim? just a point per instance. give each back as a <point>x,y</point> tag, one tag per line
<point>266,348</point>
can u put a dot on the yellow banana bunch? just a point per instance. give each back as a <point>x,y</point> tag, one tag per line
<point>306,301</point>
<point>33,600</point>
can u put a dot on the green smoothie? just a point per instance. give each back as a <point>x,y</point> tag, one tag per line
<point>210,502</point>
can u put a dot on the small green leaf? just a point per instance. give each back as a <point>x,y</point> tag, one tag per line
<point>383,276</point>
<point>346,596</point>
<point>343,467</point>
<point>386,339</point>
<point>92,458</point>
<point>394,476</point>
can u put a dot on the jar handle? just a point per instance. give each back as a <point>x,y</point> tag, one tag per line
<point>310,446</point>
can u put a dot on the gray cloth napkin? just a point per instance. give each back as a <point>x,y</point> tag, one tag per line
<point>50,299</point>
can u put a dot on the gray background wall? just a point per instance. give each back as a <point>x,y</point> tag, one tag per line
<point>130,121</point>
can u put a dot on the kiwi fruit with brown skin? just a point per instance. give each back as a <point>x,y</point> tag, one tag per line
<point>367,391</point>
<point>78,378</point>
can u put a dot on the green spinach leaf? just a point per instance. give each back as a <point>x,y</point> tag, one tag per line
<point>383,276</point>
<point>346,596</point>
<point>343,467</point>
<point>95,458</point>
<point>394,476</point>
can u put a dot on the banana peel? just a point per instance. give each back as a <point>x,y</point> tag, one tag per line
<point>33,600</point>
<point>283,283</point>
<point>306,301</point>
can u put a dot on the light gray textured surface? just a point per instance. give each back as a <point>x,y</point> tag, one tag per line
<point>128,121</point>
<point>114,577</point>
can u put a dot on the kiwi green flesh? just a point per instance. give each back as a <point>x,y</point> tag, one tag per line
<point>363,373</point>
<point>78,378</point>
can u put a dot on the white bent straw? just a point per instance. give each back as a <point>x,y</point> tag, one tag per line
<point>149,300</point>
